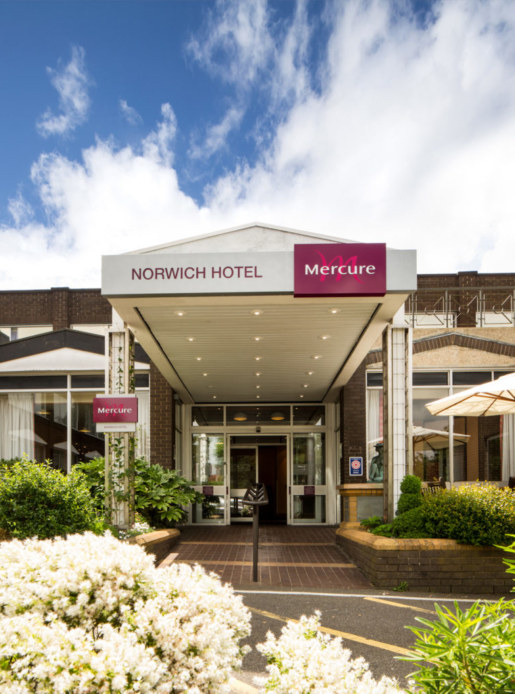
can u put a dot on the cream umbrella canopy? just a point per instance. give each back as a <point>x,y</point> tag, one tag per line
<point>486,400</point>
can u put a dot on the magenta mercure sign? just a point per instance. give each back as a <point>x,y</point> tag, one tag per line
<point>340,269</point>
<point>115,408</point>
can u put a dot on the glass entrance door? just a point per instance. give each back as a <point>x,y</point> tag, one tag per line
<point>308,479</point>
<point>209,478</point>
<point>244,472</point>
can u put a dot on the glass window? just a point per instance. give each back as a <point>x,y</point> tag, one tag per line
<point>88,382</point>
<point>207,416</point>
<point>273,415</point>
<point>243,467</point>
<point>309,459</point>
<point>142,381</point>
<point>479,448</point>
<point>430,378</point>
<point>211,510</point>
<point>431,438</point>
<point>86,443</point>
<point>375,432</point>
<point>309,509</point>
<point>33,383</point>
<point>309,415</point>
<point>471,378</point>
<point>143,425</point>
<point>375,378</point>
<point>208,459</point>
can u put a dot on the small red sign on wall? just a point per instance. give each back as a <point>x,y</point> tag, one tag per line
<point>340,269</point>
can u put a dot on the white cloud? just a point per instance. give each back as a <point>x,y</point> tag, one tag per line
<point>410,139</point>
<point>20,210</point>
<point>71,83</point>
<point>129,113</point>
<point>216,136</point>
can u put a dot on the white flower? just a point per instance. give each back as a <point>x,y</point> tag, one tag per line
<point>304,661</point>
<point>93,615</point>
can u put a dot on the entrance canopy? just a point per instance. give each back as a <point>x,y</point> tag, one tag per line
<point>259,313</point>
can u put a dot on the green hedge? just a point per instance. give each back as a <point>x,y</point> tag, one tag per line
<point>38,501</point>
<point>476,514</point>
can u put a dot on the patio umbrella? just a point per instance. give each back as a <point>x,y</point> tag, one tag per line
<point>487,400</point>
<point>434,438</point>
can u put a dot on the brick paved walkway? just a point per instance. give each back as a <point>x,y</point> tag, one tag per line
<point>293,557</point>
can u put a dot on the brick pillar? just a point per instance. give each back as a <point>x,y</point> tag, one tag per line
<point>162,414</point>
<point>353,401</point>
<point>468,303</point>
<point>60,308</point>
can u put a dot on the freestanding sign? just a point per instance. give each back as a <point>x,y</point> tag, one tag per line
<point>355,466</point>
<point>340,269</point>
<point>115,413</point>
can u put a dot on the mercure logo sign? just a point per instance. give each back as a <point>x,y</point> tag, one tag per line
<point>115,409</point>
<point>340,269</point>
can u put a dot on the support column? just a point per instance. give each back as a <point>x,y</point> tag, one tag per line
<point>120,448</point>
<point>397,409</point>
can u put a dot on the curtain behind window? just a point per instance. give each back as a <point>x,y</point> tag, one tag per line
<point>16,425</point>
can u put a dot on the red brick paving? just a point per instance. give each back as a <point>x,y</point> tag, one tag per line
<point>290,557</point>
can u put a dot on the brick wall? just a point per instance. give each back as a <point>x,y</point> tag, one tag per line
<point>353,422</point>
<point>441,566</point>
<point>59,307</point>
<point>162,414</point>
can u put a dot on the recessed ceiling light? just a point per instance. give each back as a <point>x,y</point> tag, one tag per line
<point>301,396</point>
<point>258,396</point>
<point>258,358</point>
<point>258,373</point>
<point>190,339</point>
<point>210,386</point>
<point>316,356</point>
<point>258,386</point>
<point>324,337</point>
<point>334,310</point>
<point>180,313</point>
<point>214,397</point>
<point>257,312</point>
<point>205,374</point>
<point>198,358</point>
<point>257,339</point>
<point>310,373</point>
<point>304,385</point>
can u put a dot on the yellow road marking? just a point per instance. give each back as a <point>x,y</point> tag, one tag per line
<point>341,634</point>
<point>398,604</point>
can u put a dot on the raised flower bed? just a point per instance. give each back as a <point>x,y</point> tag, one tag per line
<point>440,566</point>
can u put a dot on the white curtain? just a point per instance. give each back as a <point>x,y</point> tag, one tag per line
<point>508,446</point>
<point>143,425</point>
<point>16,425</point>
<point>373,422</point>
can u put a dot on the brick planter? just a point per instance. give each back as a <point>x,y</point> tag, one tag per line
<point>159,543</point>
<point>440,566</point>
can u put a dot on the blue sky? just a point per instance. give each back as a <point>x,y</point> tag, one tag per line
<point>127,124</point>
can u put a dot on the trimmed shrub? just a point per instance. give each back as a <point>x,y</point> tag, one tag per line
<point>410,524</point>
<point>38,501</point>
<point>479,514</point>
<point>411,494</point>
<point>411,484</point>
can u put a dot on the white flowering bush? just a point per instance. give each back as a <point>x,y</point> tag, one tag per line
<point>304,661</point>
<point>92,614</point>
